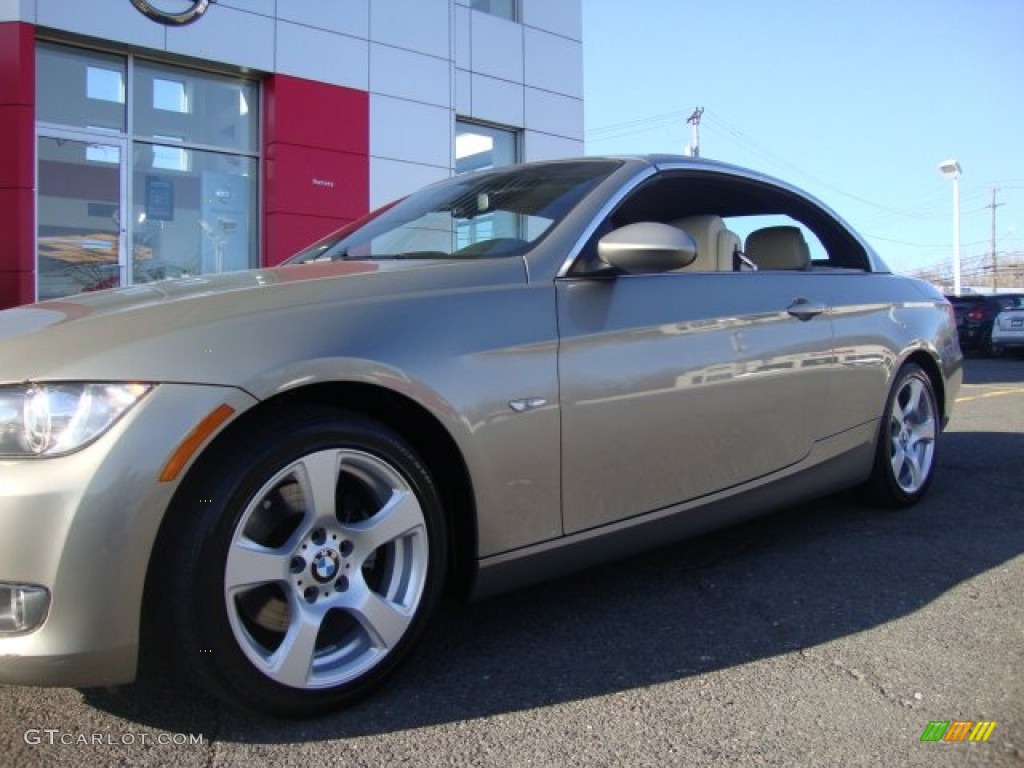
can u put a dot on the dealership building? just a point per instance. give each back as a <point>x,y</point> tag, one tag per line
<point>147,140</point>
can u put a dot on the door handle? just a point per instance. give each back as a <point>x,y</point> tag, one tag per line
<point>805,309</point>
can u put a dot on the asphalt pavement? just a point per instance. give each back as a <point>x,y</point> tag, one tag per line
<point>826,634</point>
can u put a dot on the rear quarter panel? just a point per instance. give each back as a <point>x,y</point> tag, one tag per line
<point>880,321</point>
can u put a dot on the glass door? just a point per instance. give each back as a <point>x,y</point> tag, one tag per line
<point>80,213</point>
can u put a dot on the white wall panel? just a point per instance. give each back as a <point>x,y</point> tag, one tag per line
<point>463,92</point>
<point>554,63</point>
<point>562,18</point>
<point>498,101</point>
<point>497,46</point>
<point>552,113</point>
<point>410,75</point>
<point>322,56</point>
<point>419,25</point>
<point>544,146</point>
<point>462,39</point>
<point>406,130</point>
<point>119,22</point>
<point>18,10</point>
<point>262,7</point>
<point>391,179</point>
<point>227,35</point>
<point>350,17</point>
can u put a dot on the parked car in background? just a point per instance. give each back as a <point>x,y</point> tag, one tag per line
<point>1008,328</point>
<point>506,376</point>
<point>975,314</point>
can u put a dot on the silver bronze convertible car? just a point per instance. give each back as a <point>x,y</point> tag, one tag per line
<point>503,377</point>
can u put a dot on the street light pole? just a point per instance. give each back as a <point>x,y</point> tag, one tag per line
<point>951,169</point>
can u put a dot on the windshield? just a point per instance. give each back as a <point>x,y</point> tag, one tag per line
<point>479,215</point>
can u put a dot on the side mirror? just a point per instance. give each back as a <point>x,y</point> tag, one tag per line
<point>647,247</point>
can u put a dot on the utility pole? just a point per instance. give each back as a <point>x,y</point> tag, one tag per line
<point>992,249</point>
<point>694,119</point>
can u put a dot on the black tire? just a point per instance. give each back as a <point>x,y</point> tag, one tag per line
<point>905,449</point>
<point>285,595</point>
<point>993,349</point>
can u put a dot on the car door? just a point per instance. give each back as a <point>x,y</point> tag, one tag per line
<point>675,386</point>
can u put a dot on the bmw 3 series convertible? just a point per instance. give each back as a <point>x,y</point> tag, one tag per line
<point>506,376</point>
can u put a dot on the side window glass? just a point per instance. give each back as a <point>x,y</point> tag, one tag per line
<point>760,231</point>
<point>737,225</point>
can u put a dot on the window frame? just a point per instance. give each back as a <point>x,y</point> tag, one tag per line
<point>514,13</point>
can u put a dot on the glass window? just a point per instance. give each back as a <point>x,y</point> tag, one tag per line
<point>169,158</point>
<point>169,95</point>
<point>80,88</point>
<point>478,147</point>
<point>186,178</point>
<point>192,220</point>
<point>104,84</point>
<point>507,9</point>
<point>77,219</point>
<point>200,107</point>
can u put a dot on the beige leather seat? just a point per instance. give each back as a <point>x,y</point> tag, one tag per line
<point>715,243</point>
<point>778,248</point>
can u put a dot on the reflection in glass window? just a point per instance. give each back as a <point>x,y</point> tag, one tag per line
<point>193,150</point>
<point>103,153</point>
<point>478,147</point>
<point>78,233</point>
<point>195,220</point>
<point>104,84</point>
<point>201,107</point>
<point>506,9</point>
<point>169,158</point>
<point>81,89</point>
<point>169,95</point>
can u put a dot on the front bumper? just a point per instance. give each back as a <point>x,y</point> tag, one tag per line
<point>83,527</point>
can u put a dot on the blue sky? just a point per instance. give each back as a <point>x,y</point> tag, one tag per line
<point>855,102</point>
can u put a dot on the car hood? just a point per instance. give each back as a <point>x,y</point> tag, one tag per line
<point>221,328</point>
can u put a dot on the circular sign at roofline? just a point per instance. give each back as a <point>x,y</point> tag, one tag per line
<point>172,12</point>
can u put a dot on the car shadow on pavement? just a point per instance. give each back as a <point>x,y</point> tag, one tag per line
<point>802,577</point>
<point>1005,370</point>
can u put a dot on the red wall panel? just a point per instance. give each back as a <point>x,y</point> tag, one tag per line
<point>289,233</point>
<point>17,145</point>
<point>16,222</point>
<point>316,182</point>
<point>14,286</point>
<point>316,155</point>
<point>312,114</point>
<point>17,64</point>
<point>17,162</point>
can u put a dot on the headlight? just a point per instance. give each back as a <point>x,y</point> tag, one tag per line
<point>53,419</point>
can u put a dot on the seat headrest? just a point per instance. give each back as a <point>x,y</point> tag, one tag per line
<point>781,247</point>
<point>715,244</point>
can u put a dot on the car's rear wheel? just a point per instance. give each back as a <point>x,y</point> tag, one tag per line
<point>905,450</point>
<point>306,559</point>
<point>993,349</point>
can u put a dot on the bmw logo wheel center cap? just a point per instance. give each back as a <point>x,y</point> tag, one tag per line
<point>319,568</point>
<point>325,565</point>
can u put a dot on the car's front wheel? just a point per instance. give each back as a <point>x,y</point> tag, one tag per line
<point>305,560</point>
<point>905,450</point>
